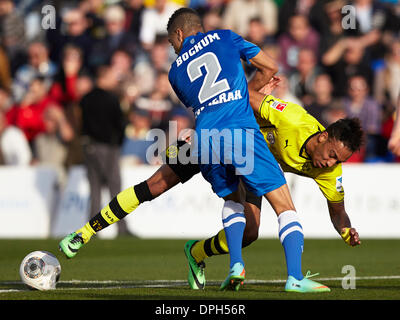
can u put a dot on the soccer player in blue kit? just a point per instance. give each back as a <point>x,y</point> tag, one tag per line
<point>208,77</point>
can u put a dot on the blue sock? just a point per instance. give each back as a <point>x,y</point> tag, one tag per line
<point>292,239</point>
<point>234,222</point>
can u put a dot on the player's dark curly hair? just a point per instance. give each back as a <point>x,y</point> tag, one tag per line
<point>184,18</point>
<point>348,131</point>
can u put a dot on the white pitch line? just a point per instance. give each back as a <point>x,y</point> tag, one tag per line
<point>117,284</point>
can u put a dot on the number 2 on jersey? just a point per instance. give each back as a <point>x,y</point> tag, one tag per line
<point>210,87</point>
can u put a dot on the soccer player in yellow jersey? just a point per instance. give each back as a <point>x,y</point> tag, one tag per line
<point>298,142</point>
<point>302,146</point>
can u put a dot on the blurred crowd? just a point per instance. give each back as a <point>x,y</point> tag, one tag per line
<point>98,73</point>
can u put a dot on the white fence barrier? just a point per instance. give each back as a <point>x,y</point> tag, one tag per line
<point>27,198</point>
<point>192,210</point>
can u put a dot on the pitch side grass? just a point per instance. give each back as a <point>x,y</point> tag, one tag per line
<point>137,269</point>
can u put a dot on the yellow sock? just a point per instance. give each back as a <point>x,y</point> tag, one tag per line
<point>215,245</point>
<point>87,232</point>
<point>124,203</point>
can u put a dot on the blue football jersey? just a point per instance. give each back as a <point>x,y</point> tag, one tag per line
<point>208,76</point>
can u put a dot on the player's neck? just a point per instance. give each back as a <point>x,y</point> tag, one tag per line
<point>192,32</point>
<point>311,144</point>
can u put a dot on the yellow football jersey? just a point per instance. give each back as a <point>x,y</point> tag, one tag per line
<point>287,127</point>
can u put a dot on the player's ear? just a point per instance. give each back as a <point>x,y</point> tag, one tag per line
<point>323,137</point>
<point>179,33</point>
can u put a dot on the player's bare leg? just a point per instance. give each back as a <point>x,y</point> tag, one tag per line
<point>162,180</point>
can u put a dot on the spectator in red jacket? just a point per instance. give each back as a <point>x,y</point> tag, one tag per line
<point>64,90</point>
<point>28,115</point>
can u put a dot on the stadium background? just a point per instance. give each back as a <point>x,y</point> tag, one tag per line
<point>45,72</point>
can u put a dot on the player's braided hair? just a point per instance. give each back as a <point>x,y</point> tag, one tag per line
<point>348,131</point>
<point>184,18</point>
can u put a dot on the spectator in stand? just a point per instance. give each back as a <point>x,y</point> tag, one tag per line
<point>74,31</point>
<point>216,6</point>
<point>139,124</point>
<point>134,14</point>
<point>324,107</point>
<point>64,89</point>
<point>135,144</point>
<point>39,65</point>
<point>51,146</point>
<point>332,31</point>
<point>12,34</point>
<point>387,79</point>
<point>159,102</point>
<point>94,12</point>
<point>300,35</point>
<point>238,14</point>
<point>122,64</point>
<point>360,104</point>
<point>257,33</point>
<point>102,136</point>
<point>146,71</point>
<point>212,20</point>
<point>84,84</point>
<point>154,22</point>
<point>115,39</point>
<point>345,59</point>
<point>371,22</point>
<point>14,147</point>
<point>291,8</point>
<point>28,114</point>
<point>301,80</point>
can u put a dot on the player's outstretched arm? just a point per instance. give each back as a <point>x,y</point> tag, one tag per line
<point>266,68</point>
<point>341,223</point>
<point>255,99</point>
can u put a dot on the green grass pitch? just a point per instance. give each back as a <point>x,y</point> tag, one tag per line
<point>137,269</point>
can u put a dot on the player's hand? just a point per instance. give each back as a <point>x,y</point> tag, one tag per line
<point>350,236</point>
<point>186,135</point>
<point>394,144</point>
<point>270,86</point>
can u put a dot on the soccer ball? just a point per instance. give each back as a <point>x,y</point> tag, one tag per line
<point>40,270</point>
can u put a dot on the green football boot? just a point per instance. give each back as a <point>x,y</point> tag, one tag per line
<point>235,278</point>
<point>71,244</point>
<point>196,277</point>
<point>305,285</point>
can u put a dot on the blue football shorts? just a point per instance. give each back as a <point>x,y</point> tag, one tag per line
<point>235,154</point>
